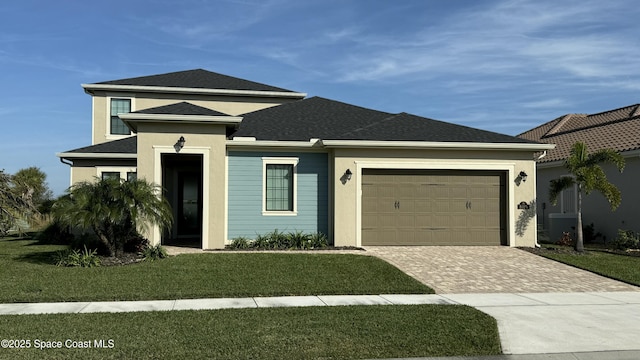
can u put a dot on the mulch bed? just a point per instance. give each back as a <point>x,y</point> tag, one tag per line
<point>124,259</point>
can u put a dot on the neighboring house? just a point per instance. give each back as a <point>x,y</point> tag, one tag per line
<point>239,158</point>
<point>617,129</point>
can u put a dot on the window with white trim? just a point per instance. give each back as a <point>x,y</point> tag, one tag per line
<point>119,106</point>
<point>279,184</point>
<point>117,172</point>
<point>569,200</point>
<point>110,175</point>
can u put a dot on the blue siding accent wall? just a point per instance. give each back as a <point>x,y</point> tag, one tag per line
<point>245,195</point>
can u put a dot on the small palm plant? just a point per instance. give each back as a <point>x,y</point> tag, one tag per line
<point>114,209</point>
<point>588,176</point>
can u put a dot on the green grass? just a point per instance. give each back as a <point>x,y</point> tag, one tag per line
<point>27,275</point>
<point>352,332</point>
<point>619,267</point>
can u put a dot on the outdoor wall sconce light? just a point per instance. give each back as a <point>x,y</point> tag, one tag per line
<point>523,176</point>
<point>181,143</point>
<point>348,174</point>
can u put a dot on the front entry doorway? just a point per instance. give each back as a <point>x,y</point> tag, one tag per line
<point>182,183</point>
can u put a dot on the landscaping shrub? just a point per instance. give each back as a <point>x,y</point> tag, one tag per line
<point>240,243</point>
<point>260,242</point>
<point>297,240</point>
<point>91,242</point>
<point>565,240</point>
<point>589,233</point>
<point>136,244</point>
<point>152,253</point>
<point>277,240</point>
<point>55,233</point>
<point>317,241</point>
<point>73,257</point>
<point>626,239</point>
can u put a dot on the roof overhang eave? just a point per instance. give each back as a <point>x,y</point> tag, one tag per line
<point>436,145</point>
<point>74,155</point>
<point>133,119</point>
<point>274,143</point>
<point>90,88</point>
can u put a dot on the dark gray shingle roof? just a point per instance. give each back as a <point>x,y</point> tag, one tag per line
<point>181,108</point>
<point>122,146</point>
<point>197,78</point>
<point>326,119</point>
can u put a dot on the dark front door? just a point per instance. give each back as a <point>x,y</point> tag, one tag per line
<point>189,203</point>
<point>182,182</point>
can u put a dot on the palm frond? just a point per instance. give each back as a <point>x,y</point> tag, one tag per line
<point>556,186</point>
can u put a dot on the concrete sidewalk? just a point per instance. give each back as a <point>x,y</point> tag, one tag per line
<point>597,323</point>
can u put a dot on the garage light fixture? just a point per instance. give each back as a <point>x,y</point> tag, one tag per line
<point>523,176</point>
<point>348,174</point>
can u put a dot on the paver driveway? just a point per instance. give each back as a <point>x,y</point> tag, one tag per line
<point>491,269</point>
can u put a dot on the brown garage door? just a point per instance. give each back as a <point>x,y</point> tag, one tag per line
<point>433,207</point>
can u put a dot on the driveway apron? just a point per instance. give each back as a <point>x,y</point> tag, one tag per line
<point>491,269</point>
<point>541,306</point>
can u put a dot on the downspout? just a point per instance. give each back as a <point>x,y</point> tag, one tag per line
<point>66,163</point>
<point>544,153</point>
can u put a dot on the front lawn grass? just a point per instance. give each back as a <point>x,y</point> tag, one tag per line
<point>349,332</point>
<point>619,267</point>
<point>28,275</point>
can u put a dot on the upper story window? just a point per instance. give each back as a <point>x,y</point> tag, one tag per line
<point>119,106</point>
<point>110,175</point>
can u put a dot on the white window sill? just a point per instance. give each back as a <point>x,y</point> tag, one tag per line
<point>279,213</point>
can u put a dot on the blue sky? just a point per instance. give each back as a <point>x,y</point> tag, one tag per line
<point>504,66</point>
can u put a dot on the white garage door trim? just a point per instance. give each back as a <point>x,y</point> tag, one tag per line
<point>441,165</point>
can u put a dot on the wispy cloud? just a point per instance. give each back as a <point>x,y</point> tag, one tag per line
<point>545,104</point>
<point>501,42</point>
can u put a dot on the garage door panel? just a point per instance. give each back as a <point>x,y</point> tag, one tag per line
<point>435,207</point>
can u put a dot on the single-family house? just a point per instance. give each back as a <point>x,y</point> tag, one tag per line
<point>240,158</point>
<point>617,129</point>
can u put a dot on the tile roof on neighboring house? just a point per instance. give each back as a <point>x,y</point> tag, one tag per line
<point>197,78</point>
<point>181,108</point>
<point>127,145</point>
<point>326,119</point>
<point>617,129</point>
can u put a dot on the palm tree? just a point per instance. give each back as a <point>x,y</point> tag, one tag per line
<point>16,203</point>
<point>114,209</point>
<point>588,176</point>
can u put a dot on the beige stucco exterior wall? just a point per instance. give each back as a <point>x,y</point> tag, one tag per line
<point>207,140</point>
<point>521,224</point>
<point>595,207</point>
<point>87,170</point>
<point>226,104</point>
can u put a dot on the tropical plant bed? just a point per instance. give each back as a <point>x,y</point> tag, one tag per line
<point>29,275</point>
<point>345,332</point>
<point>228,248</point>
<point>611,264</point>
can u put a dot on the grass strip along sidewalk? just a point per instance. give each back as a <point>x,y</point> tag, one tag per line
<point>615,266</point>
<point>349,332</point>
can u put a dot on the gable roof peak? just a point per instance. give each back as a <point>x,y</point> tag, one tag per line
<point>195,80</point>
